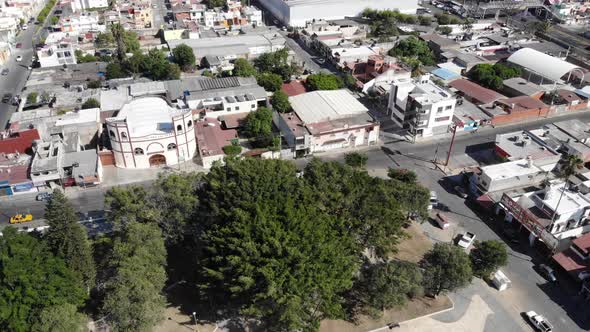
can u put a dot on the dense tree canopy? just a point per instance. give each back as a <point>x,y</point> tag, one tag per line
<point>492,76</point>
<point>356,159</point>
<point>134,300</point>
<point>413,47</point>
<point>276,63</point>
<point>323,81</point>
<point>402,174</point>
<point>487,257</point>
<point>258,123</point>
<point>280,102</point>
<point>90,103</point>
<point>269,81</point>
<point>184,56</point>
<point>67,238</point>
<point>383,23</point>
<point>215,3</point>
<point>390,284</point>
<point>59,318</point>
<point>31,278</point>
<point>244,68</point>
<point>445,268</point>
<point>115,70</point>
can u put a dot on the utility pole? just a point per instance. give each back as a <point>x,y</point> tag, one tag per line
<point>451,145</point>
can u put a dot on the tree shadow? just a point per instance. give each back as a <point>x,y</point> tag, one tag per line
<point>574,306</point>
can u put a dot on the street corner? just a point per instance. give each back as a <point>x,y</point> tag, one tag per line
<point>473,319</point>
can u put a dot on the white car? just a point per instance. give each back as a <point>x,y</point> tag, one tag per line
<point>539,321</point>
<point>25,27</point>
<point>433,200</point>
<point>466,240</point>
<point>19,58</point>
<point>154,6</point>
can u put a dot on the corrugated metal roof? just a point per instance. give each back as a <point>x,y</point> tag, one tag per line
<point>317,106</point>
<point>541,63</point>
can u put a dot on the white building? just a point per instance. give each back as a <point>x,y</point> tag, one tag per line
<point>297,12</point>
<point>512,174</point>
<point>57,55</point>
<point>81,5</point>
<point>253,15</point>
<point>421,106</point>
<point>150,132</point>
<point>81,23</point>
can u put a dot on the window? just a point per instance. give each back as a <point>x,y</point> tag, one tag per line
<point>171,146</point>
<point>442,118</point>
<point>189,123</point>
<point>124,135</point>
<point>228,109</point>
<point>253,106</point>
<point>448,107</point>
<point>439,110</point>
<point>112,134</point>
<point>179,128</point>
<point>138,151</point>
<point>237,108</point>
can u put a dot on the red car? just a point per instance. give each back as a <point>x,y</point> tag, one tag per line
<point>19,45</point>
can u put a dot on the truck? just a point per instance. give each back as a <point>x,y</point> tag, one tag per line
<point>466,240</point>
<point>540,322</point>
<point>20,218</point>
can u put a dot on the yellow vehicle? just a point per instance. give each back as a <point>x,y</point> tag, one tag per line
<point>20,218</point>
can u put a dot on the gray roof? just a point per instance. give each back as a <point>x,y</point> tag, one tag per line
<point>575,128</point>
<point>547,47</point>
<point>318,106</point>
<point>498,38</point>
<point>201,88</point>
<point>522,86</point>
<point>86,162</point>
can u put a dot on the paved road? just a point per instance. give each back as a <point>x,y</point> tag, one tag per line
<point>17,77</point>
<point>158,13</point>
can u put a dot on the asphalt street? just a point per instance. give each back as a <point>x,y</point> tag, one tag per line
<point>14,82</point>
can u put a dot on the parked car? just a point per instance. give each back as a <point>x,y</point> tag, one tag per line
<point>20,218</point>
<point>461,192</point>
<point>5,71</point>
<point>540,322</point>
<point>19,45</point>
<point>25,27</point>
<point>466,240</point>
<point>6,98</point>
<point>433,200</point>
<point>19,58</point>
<point>43,196</point>
<point>548,272</point>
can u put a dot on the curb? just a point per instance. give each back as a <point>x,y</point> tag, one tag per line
<point>420,317</point>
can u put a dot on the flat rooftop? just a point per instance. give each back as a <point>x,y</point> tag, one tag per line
<point>575,128</point>
<point>147,116</point>
<point>523,86</point>
<point>510,169</point>
<point>211,138</point>
<point>429,92</point>
<point>520,145</point>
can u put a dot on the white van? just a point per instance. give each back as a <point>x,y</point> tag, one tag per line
<point>442,220</point>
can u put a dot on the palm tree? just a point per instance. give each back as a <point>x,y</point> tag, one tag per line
<point>569,165</point>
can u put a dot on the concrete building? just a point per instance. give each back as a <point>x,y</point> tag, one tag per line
<point>148,132</point>
<point>324,121</point>
<point>297,13</point>
<point>80,23</point>
<point>57,55</point>
<point>525,144</point>
<point>233,47</point>
<point>421,107</point>
<point>575,260</point>
<point>82,5</point>
<point>511,174</point>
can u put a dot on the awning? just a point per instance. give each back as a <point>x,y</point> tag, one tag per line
<point>485,202</point>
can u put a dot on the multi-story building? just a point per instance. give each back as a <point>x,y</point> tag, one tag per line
<point>150,132</point>
<point>142,15</point>
<point>81,5</point>
<point>80,23</point>
<point>421,106</point>
<point>253,15</point>
<point>58,54</point>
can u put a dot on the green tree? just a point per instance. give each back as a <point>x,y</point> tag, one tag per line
<point>130,204</point>
<point>425,20</point>
<point>403,175</point>
<point>137,63</point>
<point>269,81</point>
<point>323,81</point>
<point>133,297</point>
<point>356,160</point>
<point>444,30</point>
<point>487,257</point>
<point>176,198</point>
<point>32,98</point>
<point>114,70</point>
<point>232,150</point>
<point>105,39</point>
<point>273,253</point>
<point>445,269</point>
<point>90,103</point>
<point>119,38</point>
<point>63,317</point>
<point>94,84</point>
<point>67,238</point>
<point>258,123</point>
<point>443,19</point>
<point>280,102</point>
<point>349,81</point>
<point>215,3</point>
<point>184,56</point>
<point>413,47</point>
<point>276,63</point>
<point>158,68</point>
<point>388,285</point>
<point>173,72</point>
<point>244,68</point>
<point>31,279</point>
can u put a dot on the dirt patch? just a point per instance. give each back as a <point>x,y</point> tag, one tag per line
<point>413,248</point>
<point>415,308</point>
<point>175,320</point>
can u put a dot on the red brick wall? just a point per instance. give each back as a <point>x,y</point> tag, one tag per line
<point>107,158</point>
<point>520,116</point>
